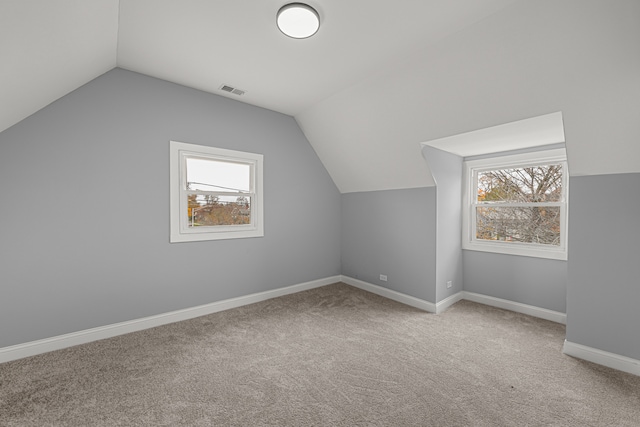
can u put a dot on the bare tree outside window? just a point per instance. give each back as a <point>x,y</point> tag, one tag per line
<point>520,204</point>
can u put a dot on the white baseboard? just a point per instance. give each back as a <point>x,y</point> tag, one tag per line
<point>33,348</point>
<point>542,313</point>
<point>441,306</point>
<point>393,295</point>
<point>82,337</point>
<point>448,302</point>
<point>611,360</point>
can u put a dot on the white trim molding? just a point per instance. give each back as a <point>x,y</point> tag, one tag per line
<point>443,305</point>
<point>594,355</point>
<point>82,337</point>
<point>391,294</point>
<point>440,307</point>
<point>88,335</point>
<point>531,310</point>
<point>590,354</point>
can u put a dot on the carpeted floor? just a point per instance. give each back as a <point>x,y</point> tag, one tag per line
<point>332,356</point>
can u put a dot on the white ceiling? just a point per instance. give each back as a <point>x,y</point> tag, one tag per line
<point>378,78</point>
<point>533,58</point>
<point>204,44</point>
<point>528,133</point>
<point>51,47</point>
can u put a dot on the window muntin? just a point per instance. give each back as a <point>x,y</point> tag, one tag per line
<point>215,193</point>
<point>517,204</point>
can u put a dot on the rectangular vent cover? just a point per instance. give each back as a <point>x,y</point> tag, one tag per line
<point>232,90</point>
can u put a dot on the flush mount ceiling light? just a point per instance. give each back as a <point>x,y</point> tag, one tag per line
<point>298,20</point>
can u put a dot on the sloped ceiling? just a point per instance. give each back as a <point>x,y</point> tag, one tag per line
<point>378,79</point>
<point>50,48</point>
<point>577,57</point>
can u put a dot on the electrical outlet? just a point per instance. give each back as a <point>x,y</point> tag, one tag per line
<point>449,284</point>
<point>383,277</point>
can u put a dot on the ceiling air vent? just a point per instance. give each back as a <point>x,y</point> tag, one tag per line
<point>232,90</point>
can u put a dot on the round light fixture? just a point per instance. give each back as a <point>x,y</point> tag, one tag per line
<point>298,20</point>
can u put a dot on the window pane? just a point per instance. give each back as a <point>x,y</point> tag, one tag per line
<point>216,175</point>
<point>205,210</point>
<point>526,224</point>
<point>521,185</point>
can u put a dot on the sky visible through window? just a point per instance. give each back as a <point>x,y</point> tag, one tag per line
<point>213,175</point>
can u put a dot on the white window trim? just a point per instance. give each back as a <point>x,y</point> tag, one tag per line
<point>471,167</point>
<point>179,230</point>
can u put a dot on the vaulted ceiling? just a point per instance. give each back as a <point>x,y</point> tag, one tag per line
<point>378,78</point>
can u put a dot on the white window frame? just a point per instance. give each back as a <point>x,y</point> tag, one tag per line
<point>178,194</point>
<point>470,202</point>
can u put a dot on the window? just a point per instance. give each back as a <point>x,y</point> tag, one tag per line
<point>517,204</point>
<point>215,193</point>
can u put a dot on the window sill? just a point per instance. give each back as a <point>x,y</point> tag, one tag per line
<point>214,235</point>
<point>517,249</point>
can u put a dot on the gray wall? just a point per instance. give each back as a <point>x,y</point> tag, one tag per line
<point>534,281</point>
<point>446,169</point>
<point>391,232</point>
<point>603,291</point>
<point>84,218</point>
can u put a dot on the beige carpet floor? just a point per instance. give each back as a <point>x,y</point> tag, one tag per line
<point>332,356</point>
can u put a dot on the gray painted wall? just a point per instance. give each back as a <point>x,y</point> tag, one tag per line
<point>84,218</point>
<point>603,290</point>
<point>446,169</point>
<point>527,280</point>
<point>391,232</point>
